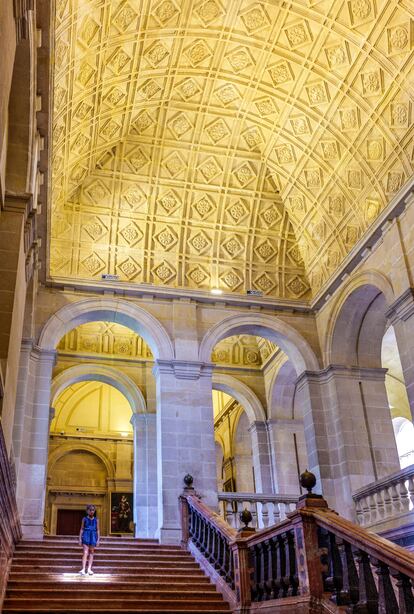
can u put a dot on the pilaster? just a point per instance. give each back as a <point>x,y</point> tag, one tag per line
<point>185,438</point>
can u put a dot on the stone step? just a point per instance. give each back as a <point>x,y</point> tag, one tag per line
<point>101,605</point>
<point>123,610</point>
<point>71,546</point>
<point>87,583</point>
<point>113,556</point>
<point>42,580</point>
<point>111,569</point>
<point>107,591</point>
<point>130,576</point>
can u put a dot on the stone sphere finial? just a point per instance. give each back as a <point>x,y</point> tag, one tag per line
<point>307,480</point>
<point>188,480</point>
<point>245,517</point>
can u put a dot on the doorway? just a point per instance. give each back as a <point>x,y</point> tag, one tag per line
<point>69,522</point>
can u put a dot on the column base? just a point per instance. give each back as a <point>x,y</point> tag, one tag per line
<point>32,531</point>
<point>169,536</point>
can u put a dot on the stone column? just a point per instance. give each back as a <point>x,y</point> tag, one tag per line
<point>351,435</point>
<point>309,398</point>
<point>288,452</point>
<point>31,478</point>
<point>12,304</point>
<point>261,458</point>
<point>145,475</point>
<point>185,439</point>
<point>21,400</point>
<point>400,314</point>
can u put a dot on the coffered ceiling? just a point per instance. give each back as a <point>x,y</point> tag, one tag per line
<point>229,144</point>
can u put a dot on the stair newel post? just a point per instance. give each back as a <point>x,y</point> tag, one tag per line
<point>185,521</point>
<point>405,592</point>
<point>240,554</point>
<point>308,557</point>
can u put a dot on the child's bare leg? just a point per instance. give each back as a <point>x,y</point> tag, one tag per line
<point>91,551</point>
<point>85,557</point>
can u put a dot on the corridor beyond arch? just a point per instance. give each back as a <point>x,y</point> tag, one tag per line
<point>270,327</point>
<point>107,309</point>
<point>101,373</point>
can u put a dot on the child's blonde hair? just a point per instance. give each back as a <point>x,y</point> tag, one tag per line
<point>88,507</point>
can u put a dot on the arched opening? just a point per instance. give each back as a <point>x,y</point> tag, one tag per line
<point>404,437</point>
<point>361,417</point>
<point>102,331</point>
<point>258,374</point>
<point>100,371</point>
<point>398,399</point>
<point>77,476</point>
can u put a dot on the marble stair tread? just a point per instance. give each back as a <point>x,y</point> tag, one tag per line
<point>55,605</point>
<point>131,577</point>
<point>123,610</point>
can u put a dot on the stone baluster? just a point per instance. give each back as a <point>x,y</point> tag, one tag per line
<point>410,487</point>
<point>372,508</point>
<point>229,513</point>
<point>404,496</point>
<point>395,499</point>
<point>359,512</point>
<point>380,504</point>
<point>387,502</point>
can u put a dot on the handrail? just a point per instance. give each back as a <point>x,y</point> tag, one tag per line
<point>253,497</point>
<point>393,478</point>
<point>378,547</point>
<point>311,554</point>
<point>388,499</point>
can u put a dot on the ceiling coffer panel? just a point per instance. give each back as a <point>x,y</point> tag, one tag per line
<point>235,144</point>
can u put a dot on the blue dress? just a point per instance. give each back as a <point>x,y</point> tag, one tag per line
<point>90,532</point>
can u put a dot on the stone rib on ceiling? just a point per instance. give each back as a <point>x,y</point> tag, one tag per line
<point>231,144</point>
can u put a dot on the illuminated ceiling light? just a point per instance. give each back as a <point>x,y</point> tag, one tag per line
<point>216,291</point>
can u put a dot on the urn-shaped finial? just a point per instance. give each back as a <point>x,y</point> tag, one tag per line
<point>307,480</point>
<point>245,517</point>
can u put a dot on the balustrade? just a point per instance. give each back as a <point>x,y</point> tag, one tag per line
<point>266,510</point>
<point>312,555</point>
<point>389,499</point>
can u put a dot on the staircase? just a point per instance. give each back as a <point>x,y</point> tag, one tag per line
<point>130,576</point>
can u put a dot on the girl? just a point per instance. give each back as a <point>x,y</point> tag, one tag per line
<point>89,539</point>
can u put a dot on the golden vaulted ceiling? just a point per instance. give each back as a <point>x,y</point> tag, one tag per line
<point>226,143</point>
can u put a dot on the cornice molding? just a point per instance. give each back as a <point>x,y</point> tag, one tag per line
<point>340,371</point>
<point>187,370</point>
<point>402,308</point>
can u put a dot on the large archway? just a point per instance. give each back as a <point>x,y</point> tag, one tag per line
<point>70,318</point>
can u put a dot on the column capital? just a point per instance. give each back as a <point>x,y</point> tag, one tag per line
<point>258,425</point>
<point>340,371</point>
<point>181,369</point>
<point>141,419</point>
<point>284,423</point>
<point>43,355</point>
<point>402,308</point>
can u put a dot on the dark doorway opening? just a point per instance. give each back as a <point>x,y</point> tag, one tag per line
<point>69,522</point>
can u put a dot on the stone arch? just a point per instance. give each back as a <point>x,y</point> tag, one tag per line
<point>282,392</point>
<point>242,393</point>
<point>358,321</point>
<point>101,373</point>
<point>66,448</point>
<point>270,327</point>
<point>112,310</point>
